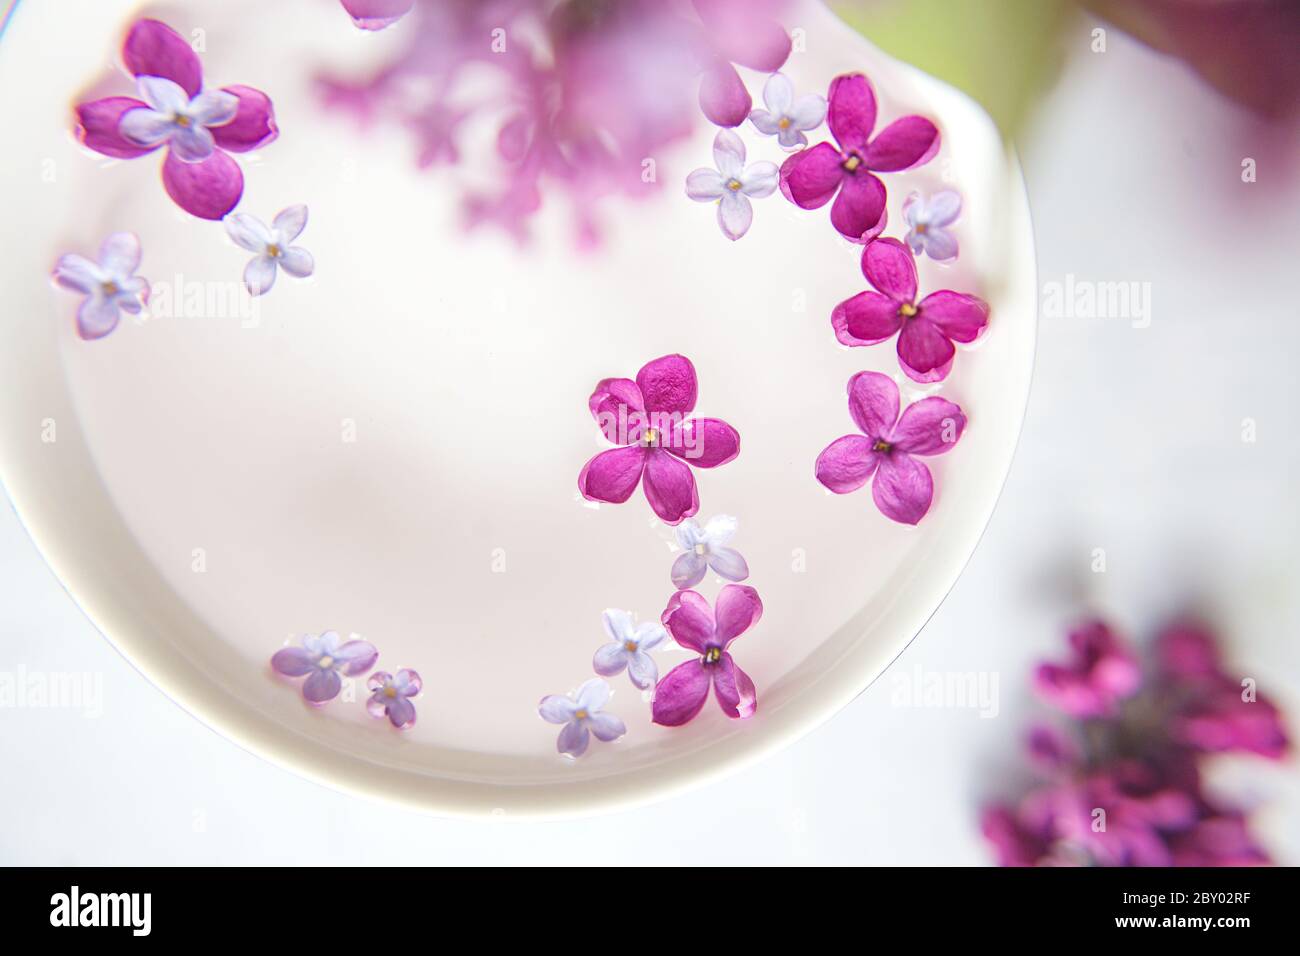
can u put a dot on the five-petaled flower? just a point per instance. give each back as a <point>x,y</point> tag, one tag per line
<point>732,184</point>
<point>697,627</point>
<point>927,221</point>
<point>926,329</point>
<point>788,118</point>
<point>321,659</point>
<point>811,177</point>
<point>582,716</point>
<point>903,487</point>
<point>390,696</point>
<point>110,285</point>
<point>377,14</point>
<point>648,419</point>
<point>704,548</point>
<point>199,126</point>
<point>629,646</point>
<point>272,246</point>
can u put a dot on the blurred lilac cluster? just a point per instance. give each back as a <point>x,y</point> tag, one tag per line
<point>583,95</point>
<point>1123,783</point>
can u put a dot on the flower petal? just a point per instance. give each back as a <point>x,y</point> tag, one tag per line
<point>209,189</point>
<point>723,96</point>
<point>846,463</point>
<point>641,669</point>
<point>873,403</point>
<point>943,208</point>
<point>377,14</point>
<point>729,153</point>
<point>689,619</point>
<point>573,739</point>
<point>609,659</point>
<point>649,635</point>
<point>669,487</point>
<point>78,273</point>
<point>852,111</point>
<point>929,427</point>
<point>765,122</point>
<point>720,529</point>
<point>960,317</point>
<point>729,563</point>
<point>890,268</point>
<point>859,210</point>
<point>401,713</point>
<point>592,695</point>
<point>743,35</point>
<point>214,107</point>
<point>704,442</point>
<point>253,125</point>
<point>734,690</point>
<point>939,244</point>
<point>808,112</point>
<point>293,661</point>
<point>735,215</point>
<point>147,127</point>
<point>681,694</point>
<point>760,179</point>
<point>321,686</point>
<point>668,384</point>
<point>152,48</point>
<point>98,127</point>
<point>688,570</point>
<point>903,488</point>
<point>705,185</point>
<point>298,262</point>
<point>607,727</point>
<point>866,319</point>
<point>904,143</point>
<point>778,94</point>
<point>612,475</point>
<point>192,144</point>
<point>556,709</point>
<point>162,95</point>
<point>356,657</point>
<point>248,231</point>
<point>809,178</point>
<point>119,254</point>
<point>618,624</point>
<point>922,346</point>
<point>259,275</point>
<point>97,317</point>
<point>737,609</point>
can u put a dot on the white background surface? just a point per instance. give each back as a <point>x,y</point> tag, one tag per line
<point>1132,444</point>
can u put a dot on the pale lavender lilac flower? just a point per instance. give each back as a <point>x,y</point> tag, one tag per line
<point>176,119</point>
<point>390,696</point>
<point>321,659</point>
<point>788,118</point>
<point>704,548</point>
<point>582,715</point>
<point>732,184</point>
<point>927,221</point>
<point>629,647</point>
<point>110,285</point>
<point>272,245</point>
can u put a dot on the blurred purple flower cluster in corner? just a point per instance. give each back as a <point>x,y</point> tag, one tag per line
<point>1123,784</point>
<point>583,95</point>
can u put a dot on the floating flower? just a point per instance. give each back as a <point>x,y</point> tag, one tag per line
<point>377,14</point>
<point>198,126</point>
<point>110,285</point>
<point>926,330</point>
<point>927,220</point>
<point>744,32</point>
<point>785,117</point>
<point>647,418</point>
<point>704,548</point>
<point>390,696</point>
<point>321,659</point>
<point>1102,673</point>
<point>732,184</point>
<point>903,487</point>
<point>629,647</point>
<point>694,625</point>
<point>811,177</point>
<point>272,246</point>
<point>582,716</point>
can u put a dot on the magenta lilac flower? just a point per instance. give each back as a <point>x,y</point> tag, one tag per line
<point>928,221</point>
<point>272,245</point>
<point>706,547</point>
<point>889,445</point>
<point>582,715</point>
<point>844,170</point>
<point>744,32</point>
<point>321,659</point>
<point>390,696</point>
<point>926,329</point>
<point>1100,676</point>
<point>377,14</point>
<point>629,647</point>
<point>199,127</point>
<point>709,632</point>
<point>647,418</point>
<point>732,184</point>
<point>786,117</point>
<point>110,285</point>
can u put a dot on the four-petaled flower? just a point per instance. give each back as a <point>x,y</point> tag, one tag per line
<point>321,659</point>
<point>903,487</point>
<point>928,220</point>
<point>926,329</point>
<point>582,716</point>
<point>390,696</point>
<point>647,418</point>
<point>696,626</point>
<point>704,548</point>
<point>732,184</point>
<point>110,285</point>
<point>272,246</point>
<point>629,647</point>
<point>377,14</point>
<point>811,177</point>
<point>785,117</point>
<point>198,173</point>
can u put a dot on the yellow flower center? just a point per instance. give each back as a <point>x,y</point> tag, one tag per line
<point>650,437</point>
<point>733,185</point>
<point>713,655</point>
<point>920,228</point>
<point>852,163</point>
<point>581,714</point>
<point>700,550</point>
<point>183,121</point>
<point>783,122</point>
<point>109,288</point>
<point>907,310</point>
<point>325,661</point>
<point>390,691</point>
<point>273,251</point>
<point>881,446</point>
